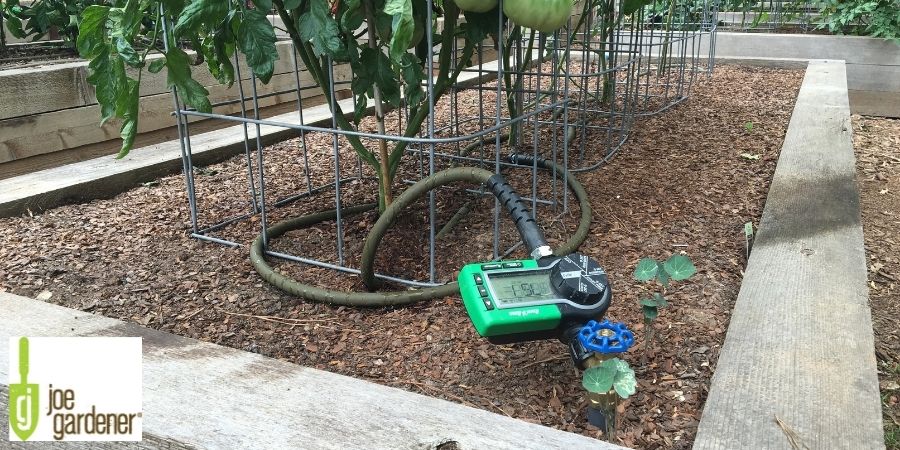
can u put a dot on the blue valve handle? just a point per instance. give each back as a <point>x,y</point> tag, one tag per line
<point>605,337</point>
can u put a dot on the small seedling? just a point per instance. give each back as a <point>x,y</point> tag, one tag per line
<point>748,238</point>
<point>676,268</point>
<point>749,127</point>
<point>613,373</point>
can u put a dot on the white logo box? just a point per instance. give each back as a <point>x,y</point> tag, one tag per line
<point>90,377</point>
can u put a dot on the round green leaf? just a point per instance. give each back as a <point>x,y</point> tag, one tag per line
<point>599,379</point>
<point>646,269</point>
<point>625,382</point>
<point>680,267</point>
<point>613,373</point>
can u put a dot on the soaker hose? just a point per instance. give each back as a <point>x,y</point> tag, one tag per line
<point>383,224</point>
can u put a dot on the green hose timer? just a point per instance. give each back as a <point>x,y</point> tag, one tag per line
<point>544,297</point>
<point>524,300</point>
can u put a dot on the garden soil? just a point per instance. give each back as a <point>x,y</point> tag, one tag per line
<point>686,181</point>
<point>877,141</point>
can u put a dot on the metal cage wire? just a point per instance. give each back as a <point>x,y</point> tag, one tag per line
<point>570,97</point>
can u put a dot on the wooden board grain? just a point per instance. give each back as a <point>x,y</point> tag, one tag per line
<point>800,344</point>
<point>26,136</point>
<point>62,86</point>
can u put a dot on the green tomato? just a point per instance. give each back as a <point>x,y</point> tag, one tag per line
<point>542,15</point>
<point>478,6</point>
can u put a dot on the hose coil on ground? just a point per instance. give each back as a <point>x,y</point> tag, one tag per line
<point>383,224</point>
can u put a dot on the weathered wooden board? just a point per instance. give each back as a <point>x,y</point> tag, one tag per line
<point>63,86</point>
<point>800,344</point>
<point>22,137</point>
<point>202,395</point>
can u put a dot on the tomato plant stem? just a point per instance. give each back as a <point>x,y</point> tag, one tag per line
<point>385,177</point>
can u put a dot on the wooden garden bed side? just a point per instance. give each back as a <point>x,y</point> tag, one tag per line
<point>64,86</point>
<point>49,132</point>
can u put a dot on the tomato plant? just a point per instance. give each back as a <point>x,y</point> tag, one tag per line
<point>390,69</point>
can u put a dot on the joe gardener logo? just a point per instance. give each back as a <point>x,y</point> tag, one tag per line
<point>23,398</point>
<point>75,389</point>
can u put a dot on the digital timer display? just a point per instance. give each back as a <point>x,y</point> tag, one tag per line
<point>512,288</point>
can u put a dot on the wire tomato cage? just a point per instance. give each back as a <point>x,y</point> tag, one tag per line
<point>569,97</point>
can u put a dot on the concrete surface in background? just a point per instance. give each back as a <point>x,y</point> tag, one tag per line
<point>873,65</point>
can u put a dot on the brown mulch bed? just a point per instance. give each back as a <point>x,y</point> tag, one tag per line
<point>679,184</point>
<point>877,141</point>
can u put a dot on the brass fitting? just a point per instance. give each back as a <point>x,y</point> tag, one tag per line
<point>605,403</point>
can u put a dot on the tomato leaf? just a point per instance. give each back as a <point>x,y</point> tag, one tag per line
<point>413,74</point>
<point>14,25</point>
<point>317,27</point>
<point>263,6</point>
<point>108,78</point>
<point>200,12</point>
<point>479,26</point>
<point>126,52</point>
<point>157,65</point>
<point>354,16</point>
<point>376,69</point>
<point>629,7</point>
<point>125,21</point>
<point>292,4</point>
<point>402,26</point>
<point>179,76</point>
<point>129,104</point>
<point>92,35</point>
<point>256,39</point>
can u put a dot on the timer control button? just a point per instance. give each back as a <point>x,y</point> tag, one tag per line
<point>580,279</point>
<point>482,291</point>
<point>478,278</point>
<point>487,304</point>
<point>512,265</point>
<point>490,266</point>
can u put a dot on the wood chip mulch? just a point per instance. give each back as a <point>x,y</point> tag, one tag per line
<point>687,180</point>
<point>877,141</point>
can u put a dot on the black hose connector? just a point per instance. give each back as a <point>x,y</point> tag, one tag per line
<point>526,160</point>
<point>519,212</point>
